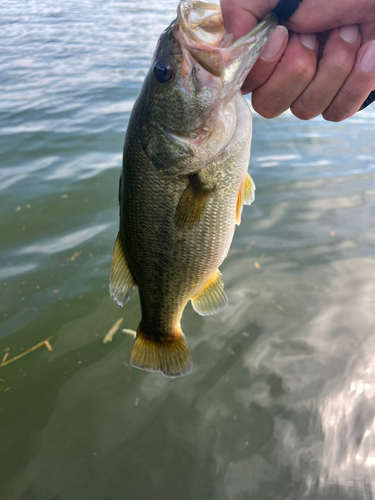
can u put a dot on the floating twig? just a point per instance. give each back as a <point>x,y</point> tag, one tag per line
<point>73,257</point>
<point>48,345</point>
<point>5,355</point>
<point>129,332</point>
<point>111,333</point>
<point>44,342</point>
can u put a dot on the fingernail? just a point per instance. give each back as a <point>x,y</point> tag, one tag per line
<point>367,63</point>
<point>308,40</point>
<point>275,43</point>
<point>349,33</point>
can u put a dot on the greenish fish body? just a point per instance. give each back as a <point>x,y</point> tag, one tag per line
<point>184,180</point>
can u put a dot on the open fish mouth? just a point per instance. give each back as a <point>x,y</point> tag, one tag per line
<point>200,30</point>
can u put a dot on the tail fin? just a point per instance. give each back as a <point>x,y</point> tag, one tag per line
<point>171,355</point>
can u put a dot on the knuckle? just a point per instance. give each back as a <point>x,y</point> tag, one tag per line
<point>303,70</point>
<point>343,66</point>
<point>345,104</point>
<point>301,111</point>
<point>350,95</point>
<point>304,108</point>
<point>342,63</point>
<point>334,114</point>
<point>263,107</point>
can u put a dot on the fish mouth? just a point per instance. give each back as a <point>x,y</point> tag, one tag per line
<point>200,30</point>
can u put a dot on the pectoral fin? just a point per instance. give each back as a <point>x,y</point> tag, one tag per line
<point>192,203</point>
<point>249,190</point>
<point>121,283</point>
<point>211,299</point>
<point>246,196</point>
<point>239,206</point>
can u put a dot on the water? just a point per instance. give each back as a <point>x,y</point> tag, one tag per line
<point>280,404</point>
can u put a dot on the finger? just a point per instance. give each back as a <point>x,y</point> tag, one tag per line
<point>319,15</point>
<point>356,88</point>
<point>240,16</point>
<point>268,60</point>
<point>338,59</point>
<point>290,78</point>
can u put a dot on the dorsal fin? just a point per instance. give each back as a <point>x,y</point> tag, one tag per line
<point>121,283</point>
<point>211,299</point>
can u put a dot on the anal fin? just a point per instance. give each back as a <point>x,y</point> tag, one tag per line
<point>121,283</point>
<point>211,299</point>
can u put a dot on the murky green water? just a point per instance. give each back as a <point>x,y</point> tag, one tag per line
<point>281,402</point>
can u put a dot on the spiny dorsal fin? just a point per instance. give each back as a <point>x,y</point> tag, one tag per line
<point>171,356</point>
<point>121,283</point>
<point>249,190</point>
<point>211,299</point>
<point>192,203</point>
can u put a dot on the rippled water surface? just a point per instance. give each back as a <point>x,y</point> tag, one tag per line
<point>281,401</point>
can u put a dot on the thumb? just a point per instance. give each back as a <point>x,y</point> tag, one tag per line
<point>240,16</point>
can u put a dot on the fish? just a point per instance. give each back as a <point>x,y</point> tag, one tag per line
<point>184,180</point>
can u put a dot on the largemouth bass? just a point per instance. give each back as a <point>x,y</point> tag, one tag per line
<point>184,179</point>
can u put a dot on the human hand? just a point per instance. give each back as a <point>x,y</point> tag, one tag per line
<point>326,65</point>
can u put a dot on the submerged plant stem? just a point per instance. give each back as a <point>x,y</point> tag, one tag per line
<point>44,342</point>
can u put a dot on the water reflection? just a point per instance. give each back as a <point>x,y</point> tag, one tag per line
<point>348,423</point>
<point>65,242</point>
<point>327,440</point>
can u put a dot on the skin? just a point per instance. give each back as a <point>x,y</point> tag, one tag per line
<point>187,145</point>
<point>314,69</point>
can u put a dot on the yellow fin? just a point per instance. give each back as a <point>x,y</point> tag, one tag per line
<point>192,203</point>
<point>249,190</point>
<point>246,196</point>
<point>239,206</point>
<point>170,355</point>
<point>211,299</point>
<point>121,283</point>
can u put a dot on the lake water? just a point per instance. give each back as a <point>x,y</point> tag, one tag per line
<point>281,401</point>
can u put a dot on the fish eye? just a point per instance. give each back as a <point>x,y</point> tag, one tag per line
<point>163,71</point>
